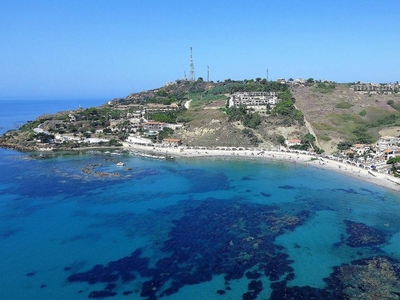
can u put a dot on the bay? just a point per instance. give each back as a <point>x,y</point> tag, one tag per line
<point>190,229</point>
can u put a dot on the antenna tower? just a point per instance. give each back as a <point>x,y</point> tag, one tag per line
<point>191,66</point>
<point>208,73</point>
<point>267,74</point>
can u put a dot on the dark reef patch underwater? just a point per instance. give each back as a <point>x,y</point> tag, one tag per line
<point>213,238</point>
<point>193,229</point>
<point>236,239</point>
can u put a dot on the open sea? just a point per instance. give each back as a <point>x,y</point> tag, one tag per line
<point>189,228</point>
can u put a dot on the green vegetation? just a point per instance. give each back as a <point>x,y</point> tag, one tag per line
<point>322,126</point>
<point>44,137</point>
<point>393,104</point>
<point>394,161</point>
<point>249,134</point>
<point>198,100</point>
<point>361,135</point>
<point>31,125</point>
<point>344,105</point>
<point>281,139</point>
<point>167,117</point>
<point>363,113</point>
<point>324,137</point>
<point>164,101</point>
<point>99,116</point>
<point>166,132</point>
<point>114,142</point>
<point>263,85</point>
<point>241,114</point>
<point>344,145</point>
<point>392,119</point>
<point>307,142</point>
<point>286,109</point>
<point>325,87</point>
<point>308,139</point>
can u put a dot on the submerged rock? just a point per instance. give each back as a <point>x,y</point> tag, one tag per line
<point>210,238</point>
<point>362,235</point>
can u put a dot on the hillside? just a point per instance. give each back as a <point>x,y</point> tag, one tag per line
<point>338,114</point>
<point>198,115</point>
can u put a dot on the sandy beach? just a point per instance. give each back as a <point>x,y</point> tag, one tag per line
<point>375,177</point>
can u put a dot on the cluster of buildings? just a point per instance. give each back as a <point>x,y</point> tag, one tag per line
<point>375,155</point>
<point>133,122</point>
<point>385,148</point>
<point>141,141</point>
<point>256,100</point>
<point>375,87</point>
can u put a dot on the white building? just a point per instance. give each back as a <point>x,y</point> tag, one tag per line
<point>293,142</point>
<point>253,99</point>
<point>386,142</point>
<point>96,140</point>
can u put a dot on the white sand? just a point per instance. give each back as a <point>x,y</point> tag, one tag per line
<point>374,177</point>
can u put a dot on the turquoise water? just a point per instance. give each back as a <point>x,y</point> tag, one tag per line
<point>57,221</point>
<point>191,229</point>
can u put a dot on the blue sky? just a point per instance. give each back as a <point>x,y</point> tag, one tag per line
<point>108,49</point>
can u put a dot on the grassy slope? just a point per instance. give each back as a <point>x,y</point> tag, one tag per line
<point>336,114</point>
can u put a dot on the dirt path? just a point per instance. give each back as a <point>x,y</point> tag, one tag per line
<point>309,127</point>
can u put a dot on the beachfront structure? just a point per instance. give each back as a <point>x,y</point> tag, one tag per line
<point>135,140</point>
<point>253,99</point>
<point>360,149</point>
<point>171,142</point>
<point>66,138</point>
<point>386,142</point>
<point>96,141</point>
<point>293,142</point>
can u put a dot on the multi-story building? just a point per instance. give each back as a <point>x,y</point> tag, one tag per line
<point>374,87</point>
<point>254,99</point>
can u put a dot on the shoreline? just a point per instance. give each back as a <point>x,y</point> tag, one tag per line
<point>374,177</point>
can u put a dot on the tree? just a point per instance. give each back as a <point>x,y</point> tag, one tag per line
<point>308,139</point>
<point>164,133</point>
<point>280,139</point>
<point>393,161</point>
<point>362,136</point>
<point>344,145</point>
<point>44,137</point>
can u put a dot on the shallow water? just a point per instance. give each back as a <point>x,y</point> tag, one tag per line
<point>198,226</point>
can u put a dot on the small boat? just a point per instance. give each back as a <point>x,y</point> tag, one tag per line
<point>120,164</point>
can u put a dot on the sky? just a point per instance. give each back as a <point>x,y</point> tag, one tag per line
<point>109,49</point>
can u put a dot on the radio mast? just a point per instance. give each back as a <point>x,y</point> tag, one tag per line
<point>192,78</point>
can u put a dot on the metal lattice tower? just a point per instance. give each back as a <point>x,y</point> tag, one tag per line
<point>208,73</point>
<point>191,66</point>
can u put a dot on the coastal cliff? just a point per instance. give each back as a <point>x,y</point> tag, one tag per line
<point>320,115</point>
